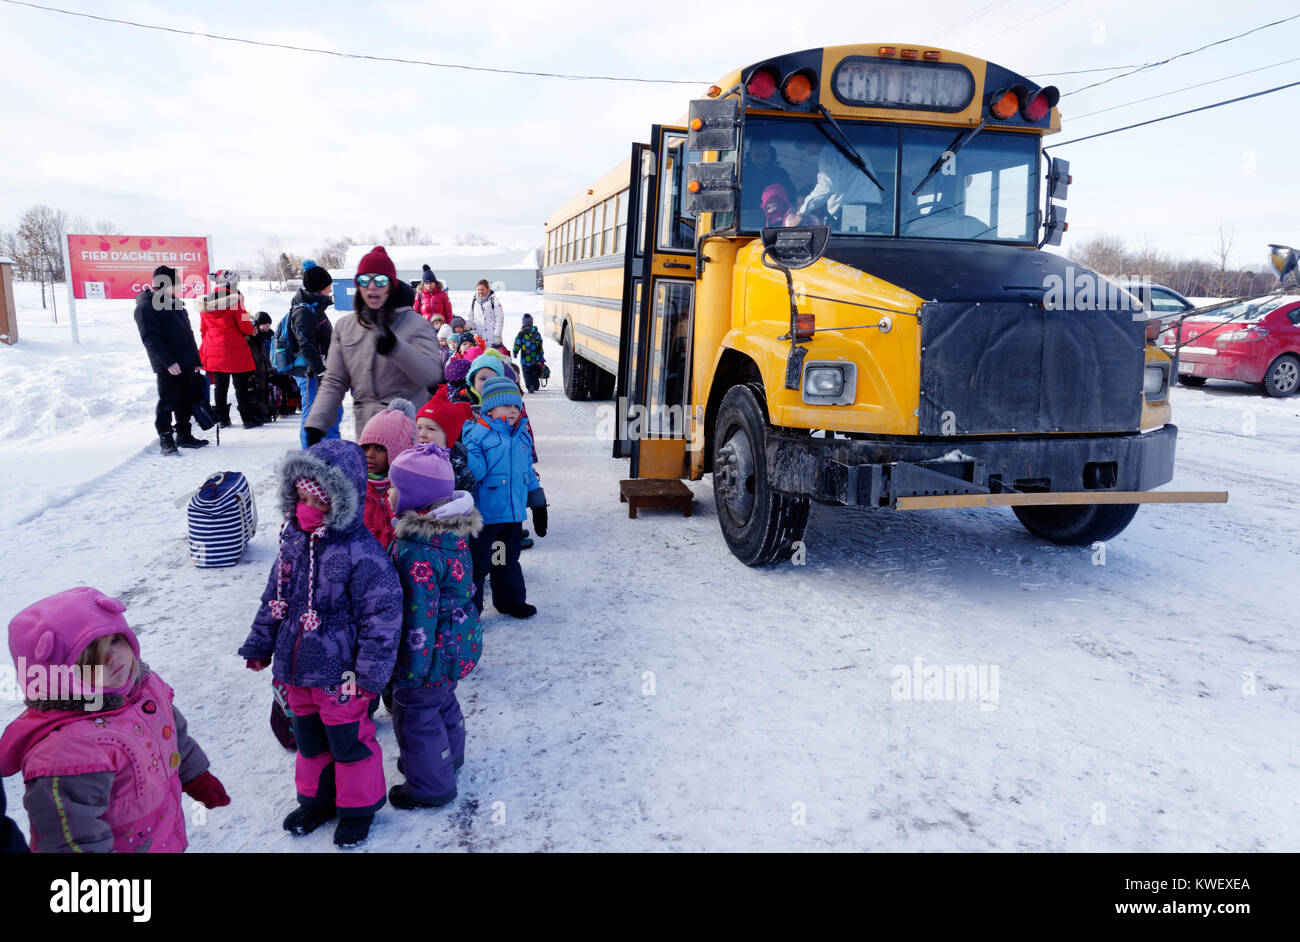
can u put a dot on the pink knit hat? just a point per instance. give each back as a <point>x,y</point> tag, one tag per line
<point>54,631</point>
<point>394,428</point>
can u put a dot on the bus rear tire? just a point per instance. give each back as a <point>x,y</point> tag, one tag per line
<point>1188,380</point>
<point>760,526</point>
<point>577,372</point>
<point>1077,525</point>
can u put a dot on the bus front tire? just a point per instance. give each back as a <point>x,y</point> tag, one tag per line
<point>1188,380</point>
<point>760,526</point>
<point>601,384</point>
<point>577,372</point>
<point>1076,525</point>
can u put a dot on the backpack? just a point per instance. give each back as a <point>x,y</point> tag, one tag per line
<point>283,349</point>
<point>222,520</point>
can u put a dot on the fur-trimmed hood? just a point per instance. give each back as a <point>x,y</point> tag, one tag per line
<point>427,528</point>
<point>223,299</point>
<point>340,468</point>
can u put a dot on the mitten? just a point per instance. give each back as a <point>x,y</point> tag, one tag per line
<point>539,521</point>
<point>257,663</point>
<point>385,342</point>
<point>314,435</point>
<point>208,790</point>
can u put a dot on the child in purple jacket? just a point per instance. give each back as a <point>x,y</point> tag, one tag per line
<point>329,623</point>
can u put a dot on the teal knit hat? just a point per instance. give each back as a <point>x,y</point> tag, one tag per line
<point>499,391</point>
<point>485,361</point>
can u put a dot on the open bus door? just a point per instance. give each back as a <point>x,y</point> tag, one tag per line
<point>659,312</point>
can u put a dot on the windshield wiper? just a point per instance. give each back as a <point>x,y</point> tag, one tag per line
<point>961,141</point>
<point>848,150</point>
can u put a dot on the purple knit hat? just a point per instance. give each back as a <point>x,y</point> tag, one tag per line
<point>394,428</point>
<point>422,476</point>
<point>456,370</point>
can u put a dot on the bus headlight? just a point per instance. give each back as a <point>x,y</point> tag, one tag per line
<point>829,383</point>
<point>1155,382</point>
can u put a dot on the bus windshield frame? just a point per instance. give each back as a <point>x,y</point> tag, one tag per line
<point>987,192</point>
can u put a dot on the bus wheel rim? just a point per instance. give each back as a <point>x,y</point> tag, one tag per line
<point>736,460</point>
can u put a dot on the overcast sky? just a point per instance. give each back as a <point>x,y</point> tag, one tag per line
<point>177,135</point>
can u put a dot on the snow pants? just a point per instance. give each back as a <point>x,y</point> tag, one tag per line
<point>508,589</point>
<point>339,761</point>
<point>175,397</point>
<point>243,383</point>
<point>307,386</point>
<point>430,732</point>
<point>533,377</point>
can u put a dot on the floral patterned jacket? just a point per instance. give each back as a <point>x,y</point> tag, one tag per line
<point>441,637</point>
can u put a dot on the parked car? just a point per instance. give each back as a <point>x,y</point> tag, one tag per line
<point>1256,341</point>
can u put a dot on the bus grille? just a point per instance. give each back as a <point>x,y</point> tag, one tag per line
<point>1014,367</point>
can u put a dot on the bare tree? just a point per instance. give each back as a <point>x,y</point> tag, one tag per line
<point>332,253</point>
<point>472,238</point>
<point>404,235</point>
<point>1221,253</point>
<point>1104,254</point>
<point>40,245</point>
<point>107,227</point>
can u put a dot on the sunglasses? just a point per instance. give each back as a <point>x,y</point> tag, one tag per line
<point>381,281</point>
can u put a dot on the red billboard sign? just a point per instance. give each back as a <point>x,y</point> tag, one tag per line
<point>118,267</point>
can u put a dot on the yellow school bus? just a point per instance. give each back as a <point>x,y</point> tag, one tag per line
<point>826,283</point>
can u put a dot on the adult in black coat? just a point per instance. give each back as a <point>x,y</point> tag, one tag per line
<point>165,330</point>
<point>11,839</point>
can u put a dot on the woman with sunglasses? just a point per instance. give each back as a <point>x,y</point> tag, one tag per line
<point>380,352</point>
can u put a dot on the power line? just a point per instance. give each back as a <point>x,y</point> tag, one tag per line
<point>1105,68</point>
<point>1217,104</point>
<point>353,55</point>
<point>974,16</point>
<point>1152,65</point>
<point>1185,88</point>
<point>1021,23</point>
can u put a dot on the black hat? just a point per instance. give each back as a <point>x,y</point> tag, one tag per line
<point>164,277</point>
<point>263,317</point>
<point>316,279</point>
<point>429,275</point>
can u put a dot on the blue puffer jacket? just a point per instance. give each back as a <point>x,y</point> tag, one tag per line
<point>354,589</point>
<point>501,460</point>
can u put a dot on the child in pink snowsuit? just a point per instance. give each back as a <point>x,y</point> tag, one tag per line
<point>104,754</point>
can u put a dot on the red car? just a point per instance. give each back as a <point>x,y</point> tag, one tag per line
<point>1255,341</point>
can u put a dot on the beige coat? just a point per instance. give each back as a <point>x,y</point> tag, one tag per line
<point>409,371</point>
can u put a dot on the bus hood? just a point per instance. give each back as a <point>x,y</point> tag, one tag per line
<point>955,270</point>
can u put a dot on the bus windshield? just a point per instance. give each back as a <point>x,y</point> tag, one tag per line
<point>793,174</point>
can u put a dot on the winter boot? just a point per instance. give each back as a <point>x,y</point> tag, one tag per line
<point>520,611</point>
<point>167,444</point>
<point>303,820</point>
<point>402,797</point>
<point>351,832</point>
<point>186,440</point>
<point>223,415</point>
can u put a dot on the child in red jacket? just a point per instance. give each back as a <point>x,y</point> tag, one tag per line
<point>385,436</point>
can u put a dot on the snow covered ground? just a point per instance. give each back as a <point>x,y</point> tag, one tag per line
<point>667,697</point>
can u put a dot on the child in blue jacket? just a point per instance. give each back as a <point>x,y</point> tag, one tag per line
<point>500,447</point>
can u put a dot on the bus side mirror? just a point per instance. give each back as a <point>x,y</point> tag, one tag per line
<point>794,246</point>
<point>712,124</point>
<point>1283,259</point>
<point>710,188</point>
<point>1058,179</point>
<point>1055,226</point>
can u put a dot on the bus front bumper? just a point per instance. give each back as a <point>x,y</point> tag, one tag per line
<point>878,473</point>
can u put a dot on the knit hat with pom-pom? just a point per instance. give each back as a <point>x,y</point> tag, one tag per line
<point>456,370</point>
<point>394,428</point>
<point>377,262</point>
<point>450,416</point>
<point>422,476</point>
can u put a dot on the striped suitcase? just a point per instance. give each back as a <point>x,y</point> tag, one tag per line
<point>223,519</point>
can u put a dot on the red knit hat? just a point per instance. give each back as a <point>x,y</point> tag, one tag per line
<point>450,416</point>
<point>377,262</point>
